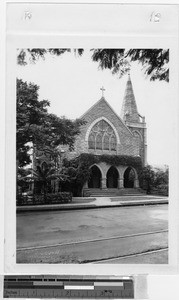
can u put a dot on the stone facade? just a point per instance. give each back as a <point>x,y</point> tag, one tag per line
<point>129,133</point>
<point>127,143</point>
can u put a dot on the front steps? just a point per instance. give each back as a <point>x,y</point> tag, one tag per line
<point>112,192</point>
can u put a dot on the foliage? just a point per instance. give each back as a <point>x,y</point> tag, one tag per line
<point>154,61</point>
<point>113,59</point>
<point>161,189</point>
<point>44,176</point>
<point>61,131</point>
<point>57,198</point>
<point>161,177</point>
<point>147,177</point>
<point>79,167</point>
<point>34,54</point>
<point>35,126</point>
<point>30,113</point>
<point>22,184</point>
<point>125,160</point>
<point>154,179</point>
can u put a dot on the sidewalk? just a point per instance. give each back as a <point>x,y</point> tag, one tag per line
<point>98,202</point>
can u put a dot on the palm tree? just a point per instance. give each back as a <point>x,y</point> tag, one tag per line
<point>44,176</point>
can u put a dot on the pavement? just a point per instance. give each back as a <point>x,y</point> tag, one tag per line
<point>98,202</point>
<point>89,235</point>
<point>151,257</point>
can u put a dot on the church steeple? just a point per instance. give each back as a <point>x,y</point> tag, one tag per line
<point>129,112</point>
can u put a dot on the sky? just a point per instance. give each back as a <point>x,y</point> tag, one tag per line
<point>72,85</point>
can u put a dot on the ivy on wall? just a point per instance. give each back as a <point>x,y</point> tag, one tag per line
<point>116,160</point>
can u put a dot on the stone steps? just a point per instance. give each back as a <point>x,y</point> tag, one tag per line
<point>113,192</point>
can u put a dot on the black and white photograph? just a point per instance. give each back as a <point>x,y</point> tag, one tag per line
<point>92,155</point>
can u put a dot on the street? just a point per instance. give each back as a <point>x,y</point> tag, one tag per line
<point>94,235</point>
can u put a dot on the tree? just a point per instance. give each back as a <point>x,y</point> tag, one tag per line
<point>147,175</point>
<point>35,126</point>
<point>22,182</point>
<point>154,61</point>
<point>154,178</point>
<point>43,176</point>
<point>78,172</point>
<point>161,177</point>
<point>30,115</point>
<point>32,55</point>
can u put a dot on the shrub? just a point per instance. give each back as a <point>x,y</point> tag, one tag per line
<point>162,190</point>
<point>20,200</point>
<point>63,197</point>
<point>58,198</point>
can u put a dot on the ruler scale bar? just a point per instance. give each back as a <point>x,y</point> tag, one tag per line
<point>75,287</point>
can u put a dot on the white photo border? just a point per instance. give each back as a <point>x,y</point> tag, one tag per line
<point>29,37</point>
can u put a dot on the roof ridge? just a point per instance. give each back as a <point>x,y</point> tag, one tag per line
<point>103,99</point>
<point>92,107</point>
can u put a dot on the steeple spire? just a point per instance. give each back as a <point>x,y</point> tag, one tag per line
<point>129,112</point>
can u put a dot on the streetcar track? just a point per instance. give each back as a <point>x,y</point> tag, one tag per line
<point>90,241</point>
<point>126,256</point>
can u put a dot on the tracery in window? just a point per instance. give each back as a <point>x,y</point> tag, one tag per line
<point>102,137</point>
<point>106,142</point>
<point>113,143</point>
<point>99,141</point>
<point>91,141</point>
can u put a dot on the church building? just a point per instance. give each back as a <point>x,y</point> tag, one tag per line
<point>107,133</point>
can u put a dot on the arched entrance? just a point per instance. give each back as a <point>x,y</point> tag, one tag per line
<point>95,178</point>
<point>129,177</point>
<point>112,178</point>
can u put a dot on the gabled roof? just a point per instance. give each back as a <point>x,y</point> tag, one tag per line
<point>129,112</point>
<point>104,101</point>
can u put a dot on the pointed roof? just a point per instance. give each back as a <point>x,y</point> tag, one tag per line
<point>129,112</point>
<point>102,101</point>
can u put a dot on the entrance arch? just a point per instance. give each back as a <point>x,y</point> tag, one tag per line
<point>95,178</point>
<point>129,178</point>
<point>112,178</point>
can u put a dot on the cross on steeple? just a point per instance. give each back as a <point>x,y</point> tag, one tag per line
<point>102,89</point>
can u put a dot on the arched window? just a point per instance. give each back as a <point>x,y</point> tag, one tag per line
<point>102,137</point>
<point>137,134</point>
<point>138,140</point>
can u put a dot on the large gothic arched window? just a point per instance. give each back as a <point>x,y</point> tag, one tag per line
<point>102,137</point>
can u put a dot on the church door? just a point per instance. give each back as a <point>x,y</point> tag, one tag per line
<point>129,177</point>
<point>95,178</point>
<point>112,178</point>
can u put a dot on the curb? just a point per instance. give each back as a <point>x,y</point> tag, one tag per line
<point>90,206</point>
